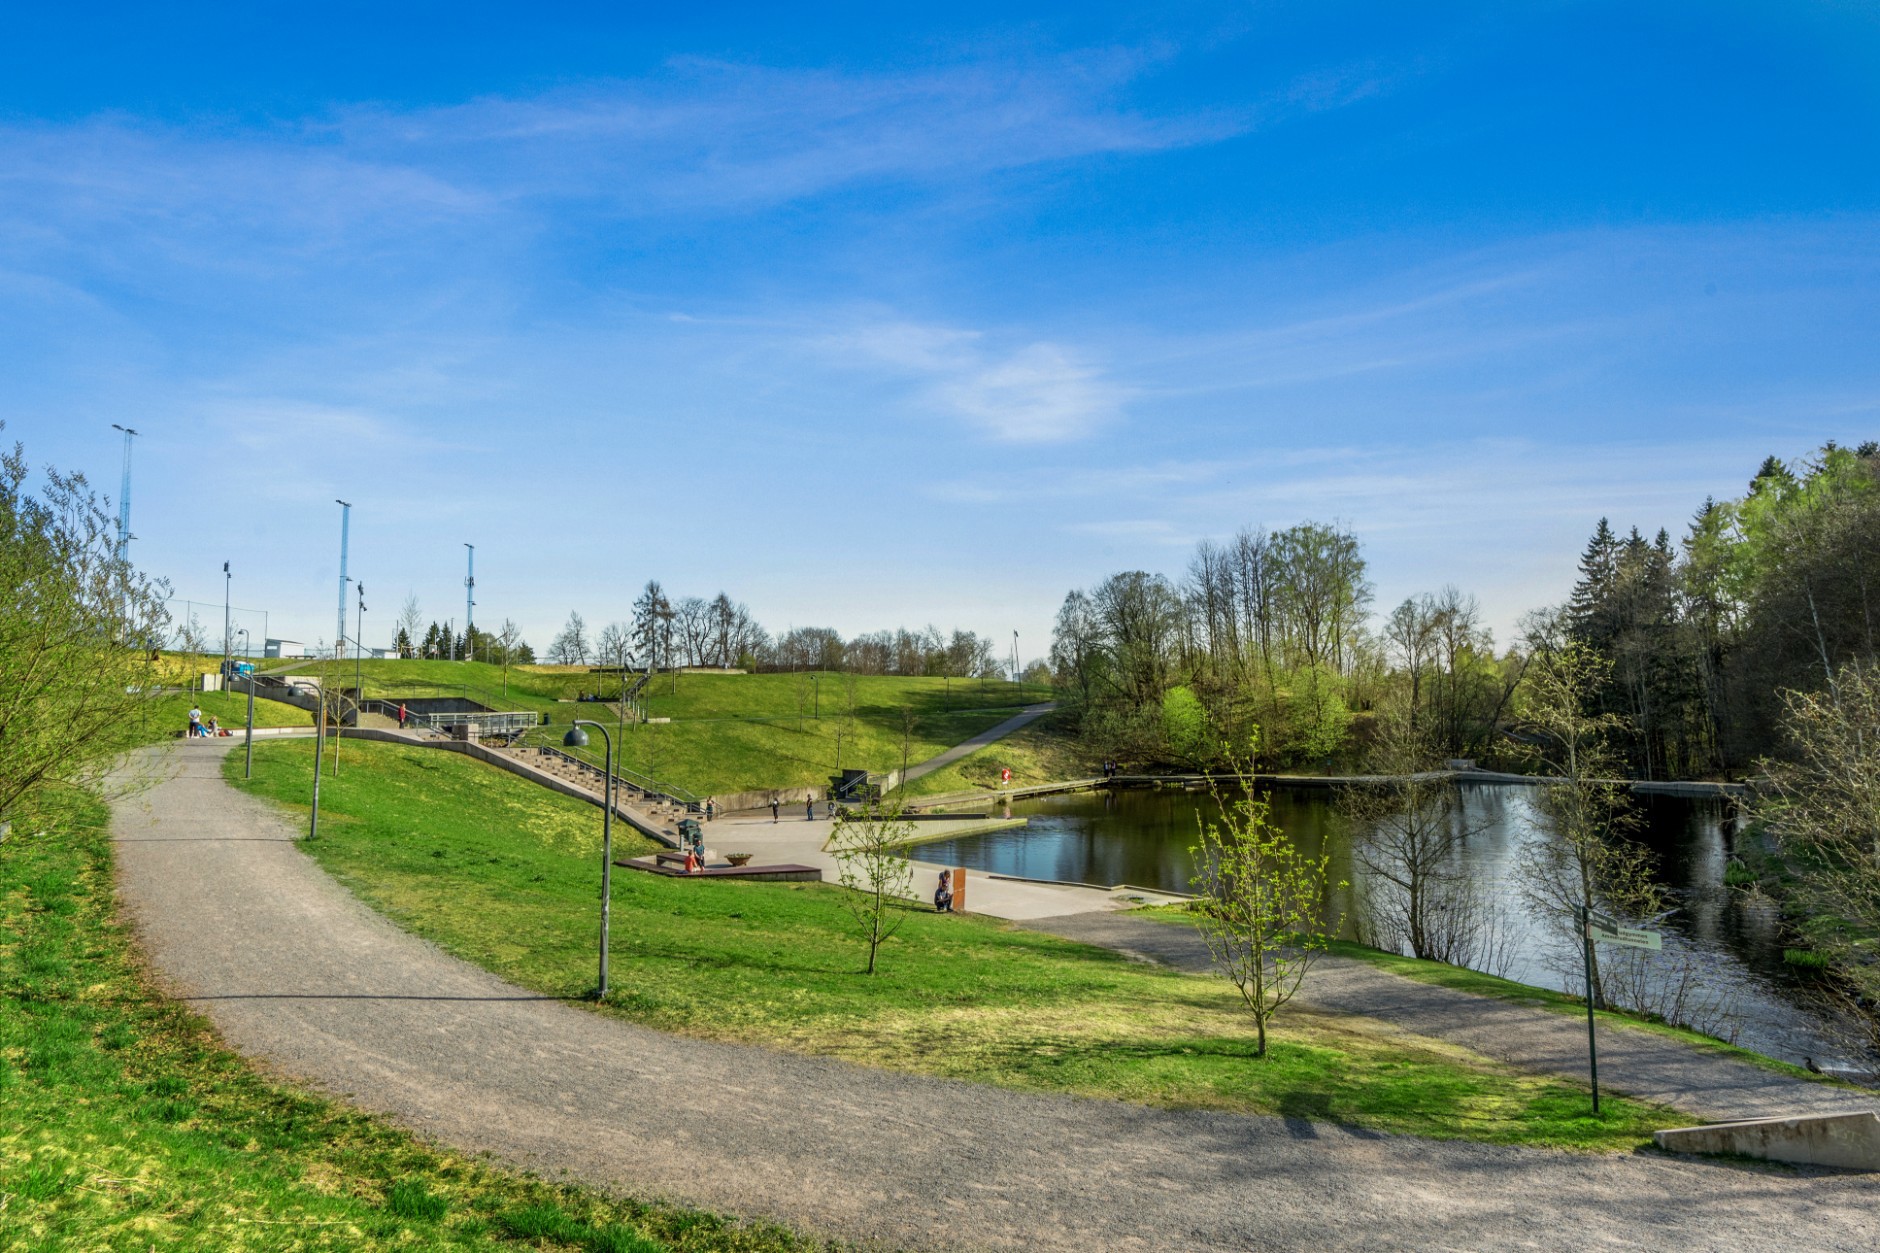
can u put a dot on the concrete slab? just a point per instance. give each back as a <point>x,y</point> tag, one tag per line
<point>1849,1141</point>
<point>796,840</point>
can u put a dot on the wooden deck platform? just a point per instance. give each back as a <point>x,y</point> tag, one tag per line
<point>774,874</point>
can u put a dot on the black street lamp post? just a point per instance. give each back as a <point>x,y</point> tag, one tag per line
<point>248,766</point>
<point>577,738</point>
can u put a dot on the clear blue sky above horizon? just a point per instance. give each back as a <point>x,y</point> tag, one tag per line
<point>876,316</point>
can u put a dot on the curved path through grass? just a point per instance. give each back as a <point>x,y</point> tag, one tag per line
<point>297,973</point>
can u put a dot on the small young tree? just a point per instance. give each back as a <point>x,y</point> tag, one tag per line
<point>801,684</point>
<point>508,638</point>
<point>910,722</point>
<point>1263,904</point>
<point>870,848</point>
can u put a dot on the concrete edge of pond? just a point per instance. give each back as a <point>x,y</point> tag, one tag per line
<point>1845,1141</point>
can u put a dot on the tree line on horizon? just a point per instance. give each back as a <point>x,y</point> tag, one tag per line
<point>667,633</point>
<point>1269,637</point>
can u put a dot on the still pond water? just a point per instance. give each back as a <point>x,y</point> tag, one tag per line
<point>1142,837</point>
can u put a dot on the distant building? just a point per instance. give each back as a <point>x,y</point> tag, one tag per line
<point>284,648</point>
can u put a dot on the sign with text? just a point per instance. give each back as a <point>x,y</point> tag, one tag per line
<point>1605,929</point>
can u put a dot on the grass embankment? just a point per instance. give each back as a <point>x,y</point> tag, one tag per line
<point>731,732</point>
<point>503,874</point>
<point>128,1127</point>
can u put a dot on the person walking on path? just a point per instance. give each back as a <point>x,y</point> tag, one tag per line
<point>402,715</point>
<point>809,807</point>
<point>773,809</point>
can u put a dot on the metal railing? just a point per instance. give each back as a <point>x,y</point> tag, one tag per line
<point>490,723</point>
<point>645,785</point>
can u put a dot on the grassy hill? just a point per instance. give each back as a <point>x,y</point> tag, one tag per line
<point>728,732</point>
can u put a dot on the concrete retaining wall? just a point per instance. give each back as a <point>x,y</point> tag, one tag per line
<point>1850,1141</point>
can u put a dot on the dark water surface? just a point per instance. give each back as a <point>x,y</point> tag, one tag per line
<point>1142,837</point>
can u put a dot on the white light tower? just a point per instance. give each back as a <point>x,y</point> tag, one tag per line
<point>124,496</point>
<point>469,606</point>
<point>345,527</point>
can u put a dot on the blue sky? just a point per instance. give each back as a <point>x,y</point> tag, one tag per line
<point>875,318</point>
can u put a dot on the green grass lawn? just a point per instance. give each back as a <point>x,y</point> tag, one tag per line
<point>127,1126</point>
<point>503,874</point>
<point>730,733</point>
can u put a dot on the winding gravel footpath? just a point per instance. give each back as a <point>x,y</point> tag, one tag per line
<point>295,972</point>
<point>1711,1087</point>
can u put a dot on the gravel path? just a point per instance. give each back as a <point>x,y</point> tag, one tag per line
<point>296,972</point>
<point>1708,1086</point>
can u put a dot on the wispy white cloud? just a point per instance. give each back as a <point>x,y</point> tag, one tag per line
<point>1037,392</point>
<point>1155,531</point>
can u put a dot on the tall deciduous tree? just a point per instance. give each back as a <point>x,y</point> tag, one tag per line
<point>570,648</point>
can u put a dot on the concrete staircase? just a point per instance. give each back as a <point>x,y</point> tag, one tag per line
<point>662,813</point>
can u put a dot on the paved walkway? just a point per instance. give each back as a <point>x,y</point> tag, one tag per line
<point>295,972</point>
<point>1708,1086</point>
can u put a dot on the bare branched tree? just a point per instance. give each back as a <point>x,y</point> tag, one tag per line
<point>1410,832</point>
<point>1583,859</point>
<point>410,623</point>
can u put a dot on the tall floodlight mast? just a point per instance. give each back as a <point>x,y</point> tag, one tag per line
<point>124,496</point>
<point>469,606</point>
<point>345,527</point>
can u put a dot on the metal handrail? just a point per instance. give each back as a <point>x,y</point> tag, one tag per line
<point>645,785</point>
